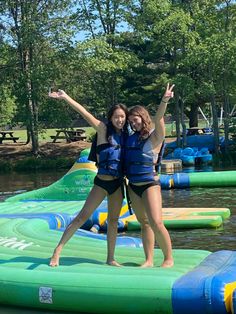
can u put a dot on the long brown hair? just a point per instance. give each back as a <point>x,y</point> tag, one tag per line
<point>146,119</point>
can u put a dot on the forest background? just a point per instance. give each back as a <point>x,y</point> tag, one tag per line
<point>102,52</point>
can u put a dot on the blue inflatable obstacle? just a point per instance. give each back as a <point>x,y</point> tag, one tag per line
<point>60,221</point>
<point>233,302</point>
<point>191,156</point>
<point>99,218</point>
<point>199,141</point>
<point>198,287</point>
<point>61,213</point>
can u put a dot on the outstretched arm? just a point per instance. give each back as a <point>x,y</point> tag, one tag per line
<point>159,120</point>
<point>94,122</point>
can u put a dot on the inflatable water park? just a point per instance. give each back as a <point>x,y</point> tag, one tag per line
<point>199,138</point>
<point>199,145</point>
<point>191,156</point>
<point>32,223</point>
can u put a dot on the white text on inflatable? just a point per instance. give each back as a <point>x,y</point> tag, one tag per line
<point>14,243</point>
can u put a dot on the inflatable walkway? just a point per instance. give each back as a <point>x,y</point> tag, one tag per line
<point>200,179</point>
<point>183,218</point>
<point>65,211</point>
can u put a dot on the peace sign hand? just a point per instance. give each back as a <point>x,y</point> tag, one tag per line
<point>168,93</point>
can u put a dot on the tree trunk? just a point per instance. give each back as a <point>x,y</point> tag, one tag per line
<point>32,105</point>
<point>184,139</point>
<point>177,121</point>
<point>226,120</point>
<point>33,126</point>
<point>193,117</point>
<point>215,124</point>
<point>225,85</point>
<point>25,53</point>
<point>28,135</point>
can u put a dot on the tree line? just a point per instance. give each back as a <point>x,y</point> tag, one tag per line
<point>106,51</point>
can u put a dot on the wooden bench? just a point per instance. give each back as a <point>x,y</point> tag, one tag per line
<point>12,138</point>
<point>53,137</point>
<point>69,135</point>
<point>78,138</point>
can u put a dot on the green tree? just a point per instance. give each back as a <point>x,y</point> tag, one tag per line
<point>191,43</point>
<point>7,106</point>
<point>34,27</point>
<point>106,61</point>
<point>96,64</point>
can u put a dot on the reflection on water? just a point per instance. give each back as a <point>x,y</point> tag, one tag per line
<point>13,183</point>
<point>207,239</point>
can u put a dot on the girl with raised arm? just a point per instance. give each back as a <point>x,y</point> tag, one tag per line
<point>143,151</point>
<point>109,179</point>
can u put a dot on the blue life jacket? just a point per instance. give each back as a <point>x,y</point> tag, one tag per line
<point>111,156</point>
<point>140,166</point>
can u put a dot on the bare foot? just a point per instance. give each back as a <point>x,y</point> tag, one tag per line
<point>113,263</point>
<point>146,264</point>
<point>168,263</point>
<point>54,260</point>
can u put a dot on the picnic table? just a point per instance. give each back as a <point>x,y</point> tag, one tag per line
<point>69,135</point>
<point>8,136</point>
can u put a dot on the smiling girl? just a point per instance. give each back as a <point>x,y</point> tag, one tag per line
<point>109,179</point>
<point>143,152</point>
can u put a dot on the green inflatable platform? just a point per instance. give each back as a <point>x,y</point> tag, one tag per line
<point>82,282</point>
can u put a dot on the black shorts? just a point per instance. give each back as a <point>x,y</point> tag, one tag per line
<point>110,185</point>
<point>139,189</point>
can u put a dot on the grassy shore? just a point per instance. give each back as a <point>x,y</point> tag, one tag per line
<point>18,156</point>
<point>45,135</point>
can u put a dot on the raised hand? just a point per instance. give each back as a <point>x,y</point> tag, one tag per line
<point>60,94</point>
<point>169,93</point>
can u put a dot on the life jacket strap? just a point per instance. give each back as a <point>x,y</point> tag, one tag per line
<point>128,197</point>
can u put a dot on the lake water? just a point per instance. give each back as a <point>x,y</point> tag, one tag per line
<point>206,239</point>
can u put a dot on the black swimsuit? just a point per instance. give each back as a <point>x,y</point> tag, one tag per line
<point>110,185</point>
<point>139,189</point>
